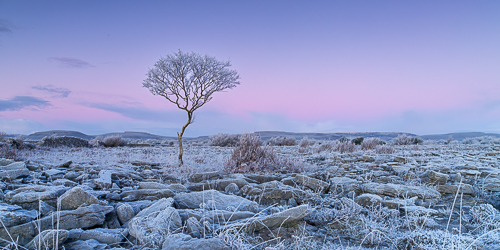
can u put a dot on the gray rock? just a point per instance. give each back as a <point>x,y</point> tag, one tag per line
<point>153,224</point>
<point>198,177</point>
<point>64,182</point>
<point>104,180</point>
<point>217,216</point>
<point>48,239</point>
<point>369,200</point>
<point>146,194</point>
<point>185,242</point>
<point>85,245</point>
<point>76,197</point>
<point>193,227</point>
<point>217,200</point>
<point>452,189</point>
<point>232,188</point>
<point>279,219</point>
<point>13,171</point>
<point>312,183</point>
<point>13,215</point>
<point>83,217</point>
<point>151,185</point>
<point>219,185</point>
<point>396,190</point>
<point>28,197</point>
<point>107,236</point>
<point>125,212</point>
<point>5,162</point>
<point>437,178</point>
<point>177,188</point>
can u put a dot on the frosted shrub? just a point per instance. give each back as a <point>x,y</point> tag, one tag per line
<point>304,145</point>
<point>406,140</point>
<point>114,141</point>
<point>306,142</point>
<point>282,141</point>
<point>370,143</point>
<point>251,156</point>
<point>2,136</point>
<point>224,140</point>
<point>345,147</point>
<point>63,141</point>
<point>384,149</point>
<point>325,146</point>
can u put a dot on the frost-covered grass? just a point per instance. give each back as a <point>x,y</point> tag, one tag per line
<point>341,222</point>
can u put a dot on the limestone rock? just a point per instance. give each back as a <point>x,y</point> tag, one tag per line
<point>278,219</point>
<point>76,197</point>
<point>146,194</point>
<point>396,190</point>
<point>48,239</point>
<point>125,212</point>
<point>29,196</point>
<point>107,236</point>
<point>13,215</point>
<point>153,224</point>
<point>185,242</point>
<point>369,200</point>
<point>312,183</point>
<point>437,178</point>
<point>104,180</point>
<point>216,199</point>
<point>13,171</point>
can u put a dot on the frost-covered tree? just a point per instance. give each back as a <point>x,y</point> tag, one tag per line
<point>189,80</point>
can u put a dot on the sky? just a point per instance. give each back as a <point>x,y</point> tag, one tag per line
<point>422,67</point>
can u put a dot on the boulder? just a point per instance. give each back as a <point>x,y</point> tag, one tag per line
<point>219,185</point>
<point>103,235</point>
<point>146,194</point>
<point>82,217</point>
<point>125,212</point>
<point>13,215</point>
<point>151,185</point>
<point>85,245</point>
<point>214,200</point>
<point>278,219</point>
<point>153,224</point>
<point>28,197</point>
<point>396,190</point>
<point>104,180</point>
<point>13,171</point>
<point>369,200</point>
<point>48,239</point>
<point>198,177</point>
<point>76,197</point>
<point>452,189</point>
<point>194,228</point>
<point>312,183</point>
<point>437,178</point>
<point>186,242</point>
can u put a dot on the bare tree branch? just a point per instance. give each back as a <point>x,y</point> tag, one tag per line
<point>189,80</point>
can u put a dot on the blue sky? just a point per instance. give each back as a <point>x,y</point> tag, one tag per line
<point>325,66</point>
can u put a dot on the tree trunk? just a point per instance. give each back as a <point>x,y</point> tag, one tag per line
<point>179,136</point>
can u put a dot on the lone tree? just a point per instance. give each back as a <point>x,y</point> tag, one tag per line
<point>189,80</point>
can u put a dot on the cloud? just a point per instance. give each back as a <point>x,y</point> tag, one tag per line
<point>20,126</point>
<point>20,102</point>
<point>5,27</point>
<point>70,62</point>
<point>59,92</point>
<point>139,113</point>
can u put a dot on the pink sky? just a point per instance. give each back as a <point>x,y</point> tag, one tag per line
<point>419,67</point>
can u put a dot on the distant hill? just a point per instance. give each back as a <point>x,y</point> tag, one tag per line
<point>458,136</point>
<point>265,135</point>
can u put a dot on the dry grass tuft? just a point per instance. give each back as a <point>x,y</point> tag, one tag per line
<point>251,156</point>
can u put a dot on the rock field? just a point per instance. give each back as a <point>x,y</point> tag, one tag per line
<point>432,196</point>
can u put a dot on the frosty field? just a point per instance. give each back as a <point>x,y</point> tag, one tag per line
<point>319,195</point>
